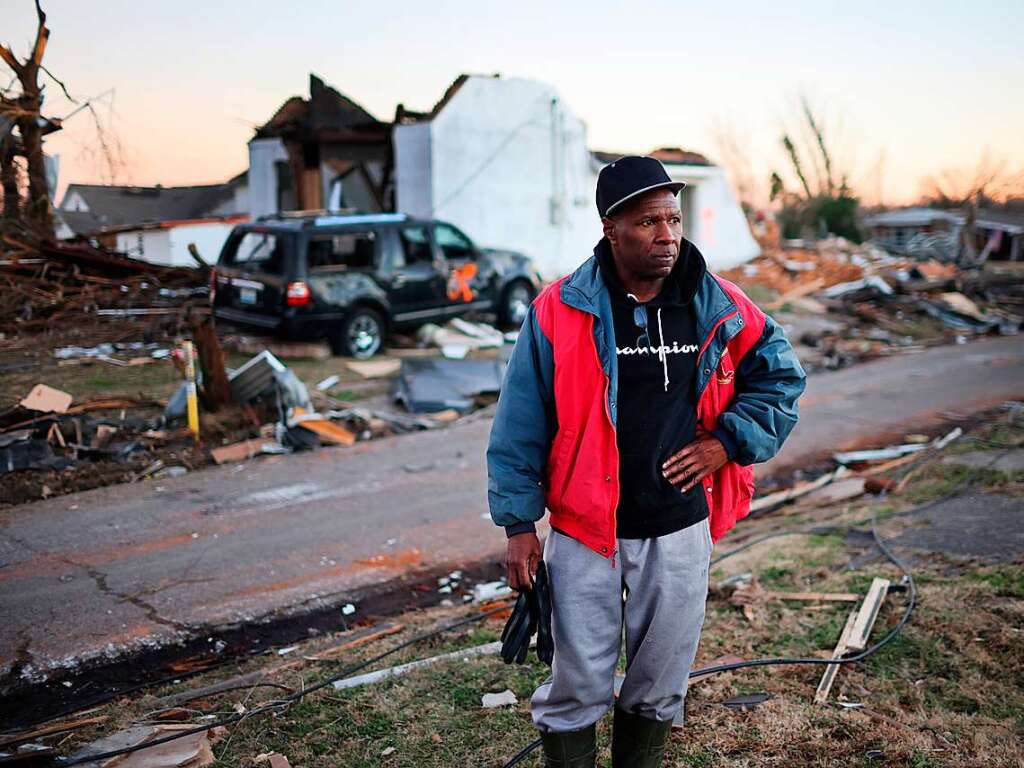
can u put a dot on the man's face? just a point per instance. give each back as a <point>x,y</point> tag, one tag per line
<point>645,235</point>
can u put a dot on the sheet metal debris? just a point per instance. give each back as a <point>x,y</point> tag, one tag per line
<point>426,386</point>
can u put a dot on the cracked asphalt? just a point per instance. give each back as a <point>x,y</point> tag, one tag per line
<point>102,572</point>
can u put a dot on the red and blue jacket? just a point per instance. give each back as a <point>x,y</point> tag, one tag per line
<point>553,443</point>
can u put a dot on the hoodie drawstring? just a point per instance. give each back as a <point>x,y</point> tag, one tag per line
<point>661,350</point>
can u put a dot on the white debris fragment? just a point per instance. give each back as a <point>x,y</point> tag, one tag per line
<point>490,590</point>
<point>327,383</point>
<point>286,651</point>
<point>504,699</point>
<point>348,609</point>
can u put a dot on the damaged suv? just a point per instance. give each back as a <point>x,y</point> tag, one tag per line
<point>352,278</point>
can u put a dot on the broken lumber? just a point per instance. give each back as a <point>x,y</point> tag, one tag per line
<point>328,431</point>
<point>51,729</point>
<point>837,597</point>
<point>362,637</point>
<point>829,676</point>
<point>780,497</point>
<point>801,290</point>
<point>246,449</point>
<point>867,614</point>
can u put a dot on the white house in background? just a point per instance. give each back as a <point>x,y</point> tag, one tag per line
<point>507,161</point>
<point>155,224</point>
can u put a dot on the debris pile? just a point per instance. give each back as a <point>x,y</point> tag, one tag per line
<point>49,284</point>
<point>844,303</point>
<point>76,446</point>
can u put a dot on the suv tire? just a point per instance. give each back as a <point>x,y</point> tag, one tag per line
<point>515,303</point>
<point>360,334</point>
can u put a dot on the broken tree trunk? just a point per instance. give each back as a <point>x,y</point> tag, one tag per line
<point>9,179</point>
<point>216,389</point>
<point>28,111</point>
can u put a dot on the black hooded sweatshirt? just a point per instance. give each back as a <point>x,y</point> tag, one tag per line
<point>657,404</point>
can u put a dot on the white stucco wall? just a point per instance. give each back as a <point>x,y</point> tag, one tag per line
<point>718,227</point>
<point>169,247</point>
<point>262,181</point>
<point>152,245</point>
<point>413,169</point>
<point>507,161</point>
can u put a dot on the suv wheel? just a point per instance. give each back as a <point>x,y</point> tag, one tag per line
<point>515,303</point>
<point>360,335</point>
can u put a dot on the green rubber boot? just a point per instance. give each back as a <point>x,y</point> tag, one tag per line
<point>638,742</point>
<point>571,749</point>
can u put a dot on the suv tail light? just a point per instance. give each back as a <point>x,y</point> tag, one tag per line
<point>298,294</point>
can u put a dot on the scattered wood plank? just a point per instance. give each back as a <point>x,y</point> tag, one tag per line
<point>350,640</point>
<point>829,676</point>
<point>246,449</point>
<point>801,290</point>
<point>837,597</point>
<point>51,729</point>
<point>361,637</point>
<point>329,431</point>
<point>774,499</point>
<point>867,614</point>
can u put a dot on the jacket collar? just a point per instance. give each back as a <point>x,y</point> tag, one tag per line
<point>586,290</point>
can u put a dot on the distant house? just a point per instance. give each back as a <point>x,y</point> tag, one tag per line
<point>504,159</point>
<point>933,232</point>
<point>155,223</point>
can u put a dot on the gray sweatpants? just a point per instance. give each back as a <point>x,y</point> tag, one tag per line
<point>657,589</point>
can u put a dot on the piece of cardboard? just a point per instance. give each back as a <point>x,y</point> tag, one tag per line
<point>47,400</point>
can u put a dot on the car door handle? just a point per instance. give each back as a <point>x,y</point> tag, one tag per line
<point>398,281</point>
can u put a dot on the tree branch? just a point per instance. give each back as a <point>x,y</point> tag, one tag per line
<point>58,82</point>
<point>9,59</point>
<point>42,35</point>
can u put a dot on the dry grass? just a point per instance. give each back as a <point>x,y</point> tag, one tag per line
<point>949,691</point>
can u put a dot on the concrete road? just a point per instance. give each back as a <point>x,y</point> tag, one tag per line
<point>102,571</point>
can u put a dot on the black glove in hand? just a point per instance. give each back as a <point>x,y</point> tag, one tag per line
<point>532,613</point>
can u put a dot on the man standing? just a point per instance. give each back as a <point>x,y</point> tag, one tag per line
<point>641,389</point>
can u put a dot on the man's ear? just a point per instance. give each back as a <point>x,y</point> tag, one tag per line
<point>608,225</point>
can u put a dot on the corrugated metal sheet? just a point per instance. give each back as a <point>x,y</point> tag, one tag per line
<point>255,377</point>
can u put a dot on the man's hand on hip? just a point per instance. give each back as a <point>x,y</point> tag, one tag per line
<point>695,461</point>
<point>521,560</point>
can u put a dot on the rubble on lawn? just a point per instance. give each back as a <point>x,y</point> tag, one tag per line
<point>843,303</point>
<point>47,282</point>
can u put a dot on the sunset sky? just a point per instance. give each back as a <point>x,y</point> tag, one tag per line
<point>908,88</point>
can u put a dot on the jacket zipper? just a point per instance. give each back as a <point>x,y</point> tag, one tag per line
<point>608,413</point>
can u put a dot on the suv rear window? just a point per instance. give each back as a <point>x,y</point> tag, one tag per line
<point>335,253</point>
<point>260,251</point>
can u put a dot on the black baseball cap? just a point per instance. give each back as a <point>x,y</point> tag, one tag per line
<point>628,177</point>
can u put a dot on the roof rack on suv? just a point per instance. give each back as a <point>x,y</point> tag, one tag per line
<point>322,217</point>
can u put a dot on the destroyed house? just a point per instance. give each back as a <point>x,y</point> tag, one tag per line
<point>938,233</point>
<point>504,159</point>
<point>508,160</point>
<point>324,152</point>
<point>157,223</point>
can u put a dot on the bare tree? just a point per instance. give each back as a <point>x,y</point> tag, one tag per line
<point>734,155</point>
<point>25,109</point>
<point>990,180</point>
<point>827,204</point>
